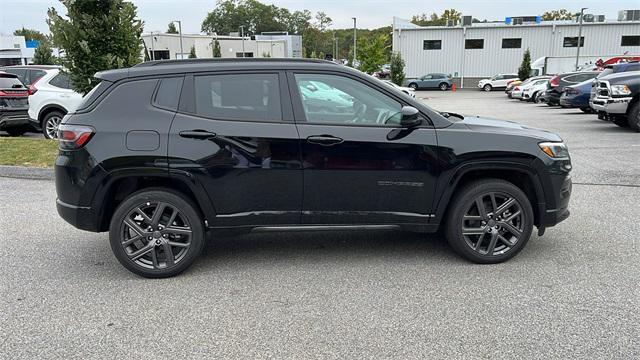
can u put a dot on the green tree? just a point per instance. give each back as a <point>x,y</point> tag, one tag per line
<point>43,55</point>
<point>31,34</point>
<point>562,14</point>
<point>435,20</point>
<point>397,69</point>
<point>192,53</point>
<point>525,68</point>
<point>372,54</point>
<point>96,36</point>
<point>216,49</point>
<point>171,28</point>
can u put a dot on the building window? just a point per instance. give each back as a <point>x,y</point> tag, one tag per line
<point>515,43</point>
<point>432,45</point>
<point>573,41</point>
<point>633,40</point>
<point>474,44</point>
<point>246,54</point>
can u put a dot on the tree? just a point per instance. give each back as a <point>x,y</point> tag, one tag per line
<point>373,54</point>
<point>171,28</point>
<point>525,68</point>
<point>192,53</point>
<point>43,55</point>
<point>435,20</point>
<point>397,69</point>
<point>562,14</point>
<point>216,49</point>
<point>96,36</point>
<point>31,34</point>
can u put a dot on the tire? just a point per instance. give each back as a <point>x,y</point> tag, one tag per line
<point>633,117</point>
<point>152,246</point>
<point>414,86</point>
<point>50,124</point>
<point>536,98</point>
<point>621,121</point>
<point>16,131</point>
<point>443,86</point>
<point>586,110</point>
<point>487,88</point>
<point>503,237</point>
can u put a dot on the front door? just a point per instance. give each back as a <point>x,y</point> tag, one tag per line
<point>360,167</point>
<point>235,135</point>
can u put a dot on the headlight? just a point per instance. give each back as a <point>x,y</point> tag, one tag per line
<point>556,150</point>
<point>620,90</point>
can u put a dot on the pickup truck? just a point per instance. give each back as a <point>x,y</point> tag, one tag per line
<point>617,98</point>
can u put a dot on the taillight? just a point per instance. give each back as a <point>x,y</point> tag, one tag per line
<point>517,88</point>
<point>31,89</point>
<point>554,81</point>
<point>72,137</point>
<point>13,93</point>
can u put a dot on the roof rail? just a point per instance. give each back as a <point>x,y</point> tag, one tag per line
<point>227,60</point>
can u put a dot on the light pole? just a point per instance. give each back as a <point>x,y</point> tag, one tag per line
<point>354,43</point>
<point>180,31</point>
<point>579,37</point>
<point>242,35</point>
<point>153,55</point>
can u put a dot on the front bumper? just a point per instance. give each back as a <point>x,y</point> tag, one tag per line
<point>10,119</point>
<point>562,186</point>
<point>610,105</point>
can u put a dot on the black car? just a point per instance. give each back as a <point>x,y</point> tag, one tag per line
<point>14,105</point>
<point>162,152</point>
<point>558,83</point>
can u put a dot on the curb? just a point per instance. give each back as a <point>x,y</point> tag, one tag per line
<point>20,172</point>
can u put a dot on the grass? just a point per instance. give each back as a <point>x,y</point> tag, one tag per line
<point>28,152</point>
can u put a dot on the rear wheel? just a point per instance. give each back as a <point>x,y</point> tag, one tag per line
<point>50,124</point>
<point>490,221</point>
<point>487,87</point>
<point>634,116</point>
<point>536,97</point>
<point>414,86</point>
<point>156,233</point>
<point>443,86</point>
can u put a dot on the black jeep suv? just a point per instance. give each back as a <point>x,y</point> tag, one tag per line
<point>163,152</point>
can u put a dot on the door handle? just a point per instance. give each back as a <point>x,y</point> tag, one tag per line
<point>324,140</point>
<point>197,134</point>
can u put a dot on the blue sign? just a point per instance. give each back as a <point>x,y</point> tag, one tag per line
<point>507,20</point>
<point>538,19</point>
<point>32,44</point>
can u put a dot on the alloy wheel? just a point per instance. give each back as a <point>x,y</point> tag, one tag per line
<point>493,223</point>
<point>51,126</point>
<point>443,87</point>
<point>156,235</point>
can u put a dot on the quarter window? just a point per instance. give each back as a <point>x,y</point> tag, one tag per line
<point>474,44</point>
<point>573,41</point>
<point>432,45</point>
<point>515,43</point>
<point>61,81</point>
<point>633,40</point>
<point>168,94</point>
<point>331,99</point>
<point>239,97</point>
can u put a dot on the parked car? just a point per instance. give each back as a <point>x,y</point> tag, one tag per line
<point>497,82</point>
<point>577,96</point>
<point>384,72</point>
<point>431,81</point>
<point>322,97</point>
<point>519,90</point>
<point>14,105</point>
<point>407,90</point>
<point>510,85</point>
<point>535,89</point>
<point>618,98</point>
<point>52,96</point>
<point>558,83</point>
<point>161,152</point>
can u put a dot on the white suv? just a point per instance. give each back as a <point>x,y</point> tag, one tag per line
<point>498,81</point>
<point>53,96</point>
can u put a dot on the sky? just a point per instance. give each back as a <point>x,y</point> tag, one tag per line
<point>156,14</point>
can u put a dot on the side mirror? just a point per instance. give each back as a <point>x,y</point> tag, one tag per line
<point>410,117</point>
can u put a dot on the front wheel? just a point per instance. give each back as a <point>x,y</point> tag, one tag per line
<point>536,98</point>
<point>156,233</point>
<point>487,87</point>
<point>634,117</point>
<point>414,86</point>
<point>443,86</point>
<point>586,110</point>
<point>490,221</point>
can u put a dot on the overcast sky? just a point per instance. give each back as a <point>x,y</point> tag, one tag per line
<point>370,13</point>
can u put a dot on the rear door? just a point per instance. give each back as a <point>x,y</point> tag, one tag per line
<point>360,167</point>
<point>235,137</point>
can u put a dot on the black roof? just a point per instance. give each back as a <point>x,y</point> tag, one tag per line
<point>166,67</point>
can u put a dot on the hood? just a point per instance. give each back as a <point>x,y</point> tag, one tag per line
<point>496,126</point>
<point>621,76</point>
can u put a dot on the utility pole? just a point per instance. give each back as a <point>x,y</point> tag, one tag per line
<point>180,31</point>
<point>354,43</point>
<point>579,37</point>
<point>242,35</point>
<point>153,55</point>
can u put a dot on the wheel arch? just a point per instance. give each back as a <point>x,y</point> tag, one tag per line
<point>49,108</point>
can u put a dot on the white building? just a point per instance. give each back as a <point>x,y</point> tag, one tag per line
<point>478,50</point>
<point>167,46</point>
<point>14,51</point>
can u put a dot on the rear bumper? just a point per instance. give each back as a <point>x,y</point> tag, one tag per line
<point>13,119</point>
<point>81,217</point>
<point>610,105</point>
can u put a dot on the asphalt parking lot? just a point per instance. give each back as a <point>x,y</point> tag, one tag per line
<point>573,293</point>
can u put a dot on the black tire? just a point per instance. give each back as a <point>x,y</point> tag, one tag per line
<point>414,86</point>
<point>634,116</point>
<point>463,204</point>
<point>487,88</point>
<point>50,123</point>
<point>621,121</point>
<point>443,86</point>
<point>536,97</point>
<point>153,245</point>
<point>586,110</point>
<point>16,131</point>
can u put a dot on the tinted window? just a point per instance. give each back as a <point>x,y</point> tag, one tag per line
<point>61,81</point>
<point>583,77</point>
<point>21,73</point>
<point>432,44</point>
<point>168,93</point>
<point>514,43</point>
<point>35,75</point>
<point>239,97</point>
<point>573,41</point>
<point>92,95</point>
<point>630,40</point>
<point>474,44</point>
<point>10,83</point>
<point>348,102</point>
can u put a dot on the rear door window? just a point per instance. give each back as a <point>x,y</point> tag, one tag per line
<point>250,97</point>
